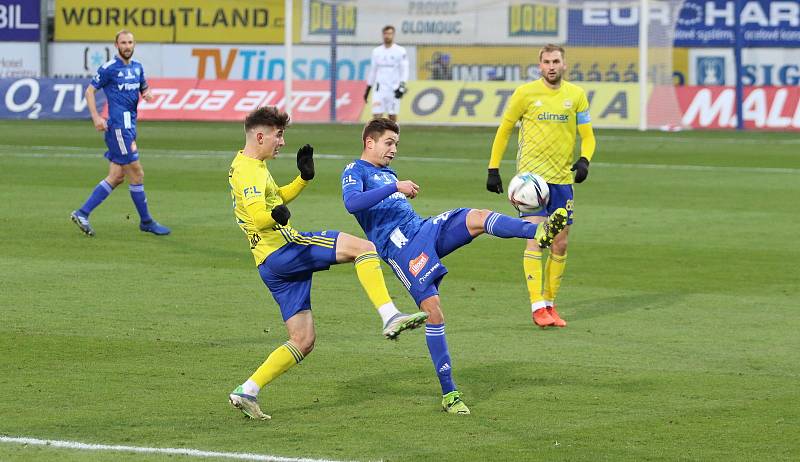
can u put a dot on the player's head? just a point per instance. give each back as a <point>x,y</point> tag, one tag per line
<point>388,35</point>
<point>380,137</point>
<point>552,64</point>
<point>263,129</point>
<point>125,43</point>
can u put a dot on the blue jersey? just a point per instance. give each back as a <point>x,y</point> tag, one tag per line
<point>122,84</point>
<point>390,223</point>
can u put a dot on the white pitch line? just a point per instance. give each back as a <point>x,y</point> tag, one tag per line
<point>81,153</point>
<point>145,450</point>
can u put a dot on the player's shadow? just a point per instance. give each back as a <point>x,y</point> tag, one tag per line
<point>612,306</point>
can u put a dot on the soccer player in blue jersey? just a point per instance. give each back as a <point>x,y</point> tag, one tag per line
<point>287,259</point>
<point>413,246</point>
<point>122,80</point>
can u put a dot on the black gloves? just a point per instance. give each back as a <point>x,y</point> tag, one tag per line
<point>366,93</point>
<point>581,169</point>
<point>401,90</point>
<point>281,214</point>
<point>493,182</point>
<point>305,162</point>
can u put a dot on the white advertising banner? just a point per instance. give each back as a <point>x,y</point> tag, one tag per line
<point>463,22</point>
<point>760,66</point>
<point>221,62</point>
<point>19,59</point>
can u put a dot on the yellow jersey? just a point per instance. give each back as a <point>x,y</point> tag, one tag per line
<point>253,191</point>
<point>549,120</point>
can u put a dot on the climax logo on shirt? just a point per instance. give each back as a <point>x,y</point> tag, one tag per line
<point>416,265</point>
<point>552,117</point>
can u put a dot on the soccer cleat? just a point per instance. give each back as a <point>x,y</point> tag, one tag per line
<point>542,318</point>
<point>82,222</point>
<point>401,322</point>
<point>452,404</point>
<point>154,227</point>
<point>557,321</point>
<point>247,404</point>
<point>546,232</point>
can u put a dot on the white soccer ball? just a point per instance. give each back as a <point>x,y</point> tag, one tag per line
<point>528,192</point>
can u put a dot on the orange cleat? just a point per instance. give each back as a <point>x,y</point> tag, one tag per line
<point>542,318</point>
<point>557,321</point>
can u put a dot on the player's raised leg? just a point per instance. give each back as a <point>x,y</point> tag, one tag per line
<point>135,174</point>
<point>301,341</point>
<point>103,189</point>
<point>368,268</point>
<point>440,356</point>
<point>489,222</point>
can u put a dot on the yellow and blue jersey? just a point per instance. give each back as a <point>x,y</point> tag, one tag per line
<point>251,183</point>
<point>548,124</point>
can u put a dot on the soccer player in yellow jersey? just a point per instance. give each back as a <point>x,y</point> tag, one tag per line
<point>550,111</point>
<point>287,258</point>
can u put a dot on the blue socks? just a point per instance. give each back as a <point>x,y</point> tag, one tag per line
<point>437,346</point>
<point>504,226</point>
<point>101,191</point>
<point>140,201</point>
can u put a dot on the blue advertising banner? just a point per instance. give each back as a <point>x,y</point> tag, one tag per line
<point>30,98</point>
<point>700,23</point>
<point>19,20</point>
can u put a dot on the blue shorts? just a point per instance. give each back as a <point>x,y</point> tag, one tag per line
<point>418,264</point>
<point>121,143</point>
<point>287,271</point>
<point>561,195</point>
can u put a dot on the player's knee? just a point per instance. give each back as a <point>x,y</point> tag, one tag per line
<point>365,246</point>
<point>115,180</point>
<point>559,246</point>
<point>305,342</point>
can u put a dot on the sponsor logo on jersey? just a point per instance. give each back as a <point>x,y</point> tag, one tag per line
<point>251,191</point>
<point>416,265</point>
<point>348,180</point>
<point>128,86</point>
<point>428,273</point>
<point>567,103</point>
<point>553,117</point>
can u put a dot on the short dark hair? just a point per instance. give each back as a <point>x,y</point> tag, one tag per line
<point>551,47</point>
<point>268,116</point>
<point>375,128</point>
<point>385,28</point>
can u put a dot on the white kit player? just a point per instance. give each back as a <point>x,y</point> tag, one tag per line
<point>388,73</point>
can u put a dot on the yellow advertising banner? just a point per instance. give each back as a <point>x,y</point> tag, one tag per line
<point>483,103</point>
<point>176,21</point>
<point>521,63</point>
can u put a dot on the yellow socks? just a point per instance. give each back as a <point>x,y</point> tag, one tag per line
<point>368,269</point>
<point>278,362</point>
<point>553,271</point>
<point>532,264</point>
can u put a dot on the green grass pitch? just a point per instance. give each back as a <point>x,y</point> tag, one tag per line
<point>681,293</point>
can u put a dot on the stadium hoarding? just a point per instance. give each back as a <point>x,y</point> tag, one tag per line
<point>760,66</point>
<point>482,103</point>
<point>19,60</point>
<point>177,21</point>
<point>31,98</point>
<point>465,22</point>
<point>20,20</point>
<point>516,63</point>
<point>698,23</point>
<point>220,62</point>
<point>764,108</point>
<point>192,99</point>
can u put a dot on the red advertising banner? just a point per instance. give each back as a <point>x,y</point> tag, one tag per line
<point>191,99</point>
<point>764,108</point>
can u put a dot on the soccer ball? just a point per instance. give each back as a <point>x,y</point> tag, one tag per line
<point>528,192</point>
